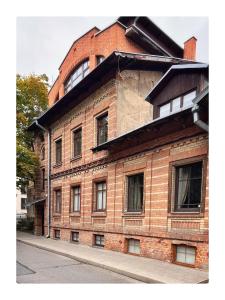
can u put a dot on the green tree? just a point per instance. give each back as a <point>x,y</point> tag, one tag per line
<point>31,101</point>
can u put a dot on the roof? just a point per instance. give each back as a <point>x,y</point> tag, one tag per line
<point>145,31</point>
<point>175,69</point>
<point>202,96</point>
<point>120,140</point>
<point>150,129</point>
<point>100,75</point>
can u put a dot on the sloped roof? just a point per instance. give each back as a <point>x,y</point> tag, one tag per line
<point>175,69</point>
<point>100,74</point>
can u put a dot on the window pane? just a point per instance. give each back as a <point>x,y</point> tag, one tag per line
<point>99,200</point>
<point>76,76</point>
<point>164,110</point>
<point>134,246</point>
<point>86,72</point>
<point>102,129</point>
<point>176,104</point>
<point>135,192</point>
<point>189,185</point>
<point>77,136</point>
<point>187,99</point>
<point>103,199</point>
<point>180,257</point>
<point>58,145</point>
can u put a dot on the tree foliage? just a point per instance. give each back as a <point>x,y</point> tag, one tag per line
<point>31,101</point>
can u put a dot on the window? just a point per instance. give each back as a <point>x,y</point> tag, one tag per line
<point>134,246</point>
<point>23,203</point>
<point>102,129</point>
<point>100,195</point>
<point>58,151</point>
<point>188,187</point>
<point>135,192</point>
<point>76,198</point>
<point>177,103</point>
<point>43,179</point>
<point>75,236</point>
<point>76,76</point>
<point>57,234</point>
<point>43,153</point>
<point>58,196</point>
<point>185,254</point>
<point>77,142</point>
<point>99,240</point>
<point>164,110</point>
<point>99,59</point>
<point>187,99</point>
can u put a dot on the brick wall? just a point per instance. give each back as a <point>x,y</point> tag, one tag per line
<point>90,45</point>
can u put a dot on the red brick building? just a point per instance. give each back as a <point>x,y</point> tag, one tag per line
<point>117,171</point>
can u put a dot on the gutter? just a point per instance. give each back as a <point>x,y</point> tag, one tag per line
<point>49,173</point>
<point>197,120</point>
<point>150,39</point>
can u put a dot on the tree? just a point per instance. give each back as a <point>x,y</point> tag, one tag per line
<point>31,101</point>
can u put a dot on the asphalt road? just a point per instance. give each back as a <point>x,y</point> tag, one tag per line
<point>39,266</point>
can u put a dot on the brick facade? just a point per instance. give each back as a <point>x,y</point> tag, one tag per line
<point>158,230</point>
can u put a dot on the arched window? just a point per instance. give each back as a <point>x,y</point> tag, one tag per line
<point>99,59</point>
<point>76,76</point>
<point>43,153</point>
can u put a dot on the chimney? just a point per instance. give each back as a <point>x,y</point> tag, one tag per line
<point>190,48</point>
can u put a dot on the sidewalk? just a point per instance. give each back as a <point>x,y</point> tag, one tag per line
<point>140,268</point>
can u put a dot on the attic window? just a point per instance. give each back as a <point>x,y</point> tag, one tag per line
<point>176,104</point>
<point>99,59</point>
<point>76,76</point>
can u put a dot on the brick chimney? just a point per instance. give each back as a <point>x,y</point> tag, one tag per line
<point>190,48</point>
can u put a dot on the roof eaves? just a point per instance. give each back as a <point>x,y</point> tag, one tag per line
<point>173,70</point>
<point>152,123</point>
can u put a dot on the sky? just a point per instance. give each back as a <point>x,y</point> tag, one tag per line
<point>43,42</point>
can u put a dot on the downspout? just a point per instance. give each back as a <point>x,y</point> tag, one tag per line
<point>49,173</point>
<point>197,121</point>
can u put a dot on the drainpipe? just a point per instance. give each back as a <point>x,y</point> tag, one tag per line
<point>49,172</point>
<point>197,121</point>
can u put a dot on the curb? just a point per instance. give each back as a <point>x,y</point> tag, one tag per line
<point>93,263</point>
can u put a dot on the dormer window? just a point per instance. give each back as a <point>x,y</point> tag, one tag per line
<point>176,104</point>
<point>76,76</point>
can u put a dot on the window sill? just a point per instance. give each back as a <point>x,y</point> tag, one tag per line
<point>187,214</point>
<point>56,214</point>
<point>183,264</point>
<point>75,214</point>
<point>57,165</point>
<point>98,246</point>
<point>98,214</point>
<point>78,157</point>
<point>133,214</point>
<point>74,242</point>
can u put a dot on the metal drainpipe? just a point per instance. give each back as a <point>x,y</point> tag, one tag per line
<point>49,172</point>
<point>197,121</point>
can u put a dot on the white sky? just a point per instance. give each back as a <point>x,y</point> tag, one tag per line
<point>42,42</point>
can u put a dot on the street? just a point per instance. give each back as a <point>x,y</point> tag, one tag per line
<point>39,266</point>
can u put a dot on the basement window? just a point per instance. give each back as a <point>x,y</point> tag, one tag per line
<point>99,240</point>
<point>57,234</point>
<point>185,254</point>
<point>75,236</point>
<point>134,246</point>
